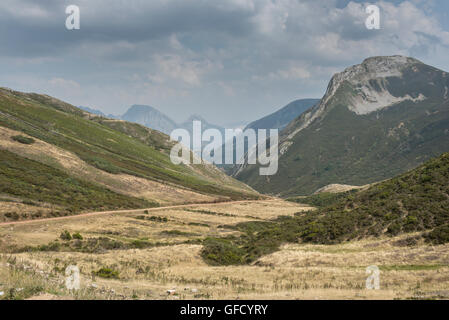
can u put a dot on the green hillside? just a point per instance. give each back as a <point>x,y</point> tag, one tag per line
<point>39,183</point>
<point>417,201</point>
<point>115,147</point>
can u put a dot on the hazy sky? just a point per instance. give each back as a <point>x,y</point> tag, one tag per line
<point>223,59</point>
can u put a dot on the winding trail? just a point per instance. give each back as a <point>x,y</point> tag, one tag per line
<point>99,213</point>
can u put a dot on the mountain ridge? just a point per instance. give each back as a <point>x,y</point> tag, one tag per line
<point>341,141</point>
<point>282,117</point>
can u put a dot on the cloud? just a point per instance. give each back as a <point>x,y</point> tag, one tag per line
<point>65,84</point>
<point>175,68</point>
<point>223,57</point>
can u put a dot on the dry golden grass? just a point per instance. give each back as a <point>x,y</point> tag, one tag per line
<point>297,271</point>
<point>337,188</point>
<point>13,206</point>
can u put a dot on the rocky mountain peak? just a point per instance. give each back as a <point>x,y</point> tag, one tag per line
<point>365,88</point>
<point>365,76</point>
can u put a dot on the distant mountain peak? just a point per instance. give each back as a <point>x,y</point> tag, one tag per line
<point>196,117</point>
<point>141,108</point>
<point>92,111</point>
<point>149,117</point>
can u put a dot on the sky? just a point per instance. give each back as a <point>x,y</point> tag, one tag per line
<point>227,60</point>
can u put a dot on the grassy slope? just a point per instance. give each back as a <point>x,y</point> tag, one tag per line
<point>415,201</point>
<point>31,180</point>
<point>150,137</point>
<point>109,147</point>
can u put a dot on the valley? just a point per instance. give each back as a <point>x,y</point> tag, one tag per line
<point>363,182</point>
<point>157,255</point>
<point>210,159</point>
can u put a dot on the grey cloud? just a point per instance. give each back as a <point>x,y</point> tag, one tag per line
<point>218,58</point>
<point>112,21</point>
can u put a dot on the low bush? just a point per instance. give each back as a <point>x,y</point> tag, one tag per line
<point>322,199</point>
<point>65,235</point>
<point>176,233</point>
<point>77,236</point>
<point>439,235</point>
<point>222,252</point>
<point>23,139</point>
<point>107,273</point>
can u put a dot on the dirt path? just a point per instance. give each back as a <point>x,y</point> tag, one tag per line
<point>91,214</point>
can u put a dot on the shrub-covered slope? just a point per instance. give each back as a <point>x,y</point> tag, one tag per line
<point>36,182</point>
<point>415,201</point>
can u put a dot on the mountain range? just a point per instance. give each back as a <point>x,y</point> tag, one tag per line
<point>276,120</point>
<point>152,118</point>
<point>376,120</point>
<point>98,112</point>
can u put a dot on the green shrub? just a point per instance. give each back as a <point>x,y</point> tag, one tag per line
<point>439,235</point>
<point>77,236</point>
<point>65,235</point>
<point>222,252</point>
<point>176,233</point>
<point>12,215</point>
<point>23,139</point>
<point>394,228</point>
<point>141,244</point>
<point>322,199</point>
<point>107,273</point>
<point>158,219</point>
<point>198,224</point>
<point>53,246</point>
<point>106,166</point>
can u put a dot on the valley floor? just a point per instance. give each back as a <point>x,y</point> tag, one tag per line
<point>156,255</point>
